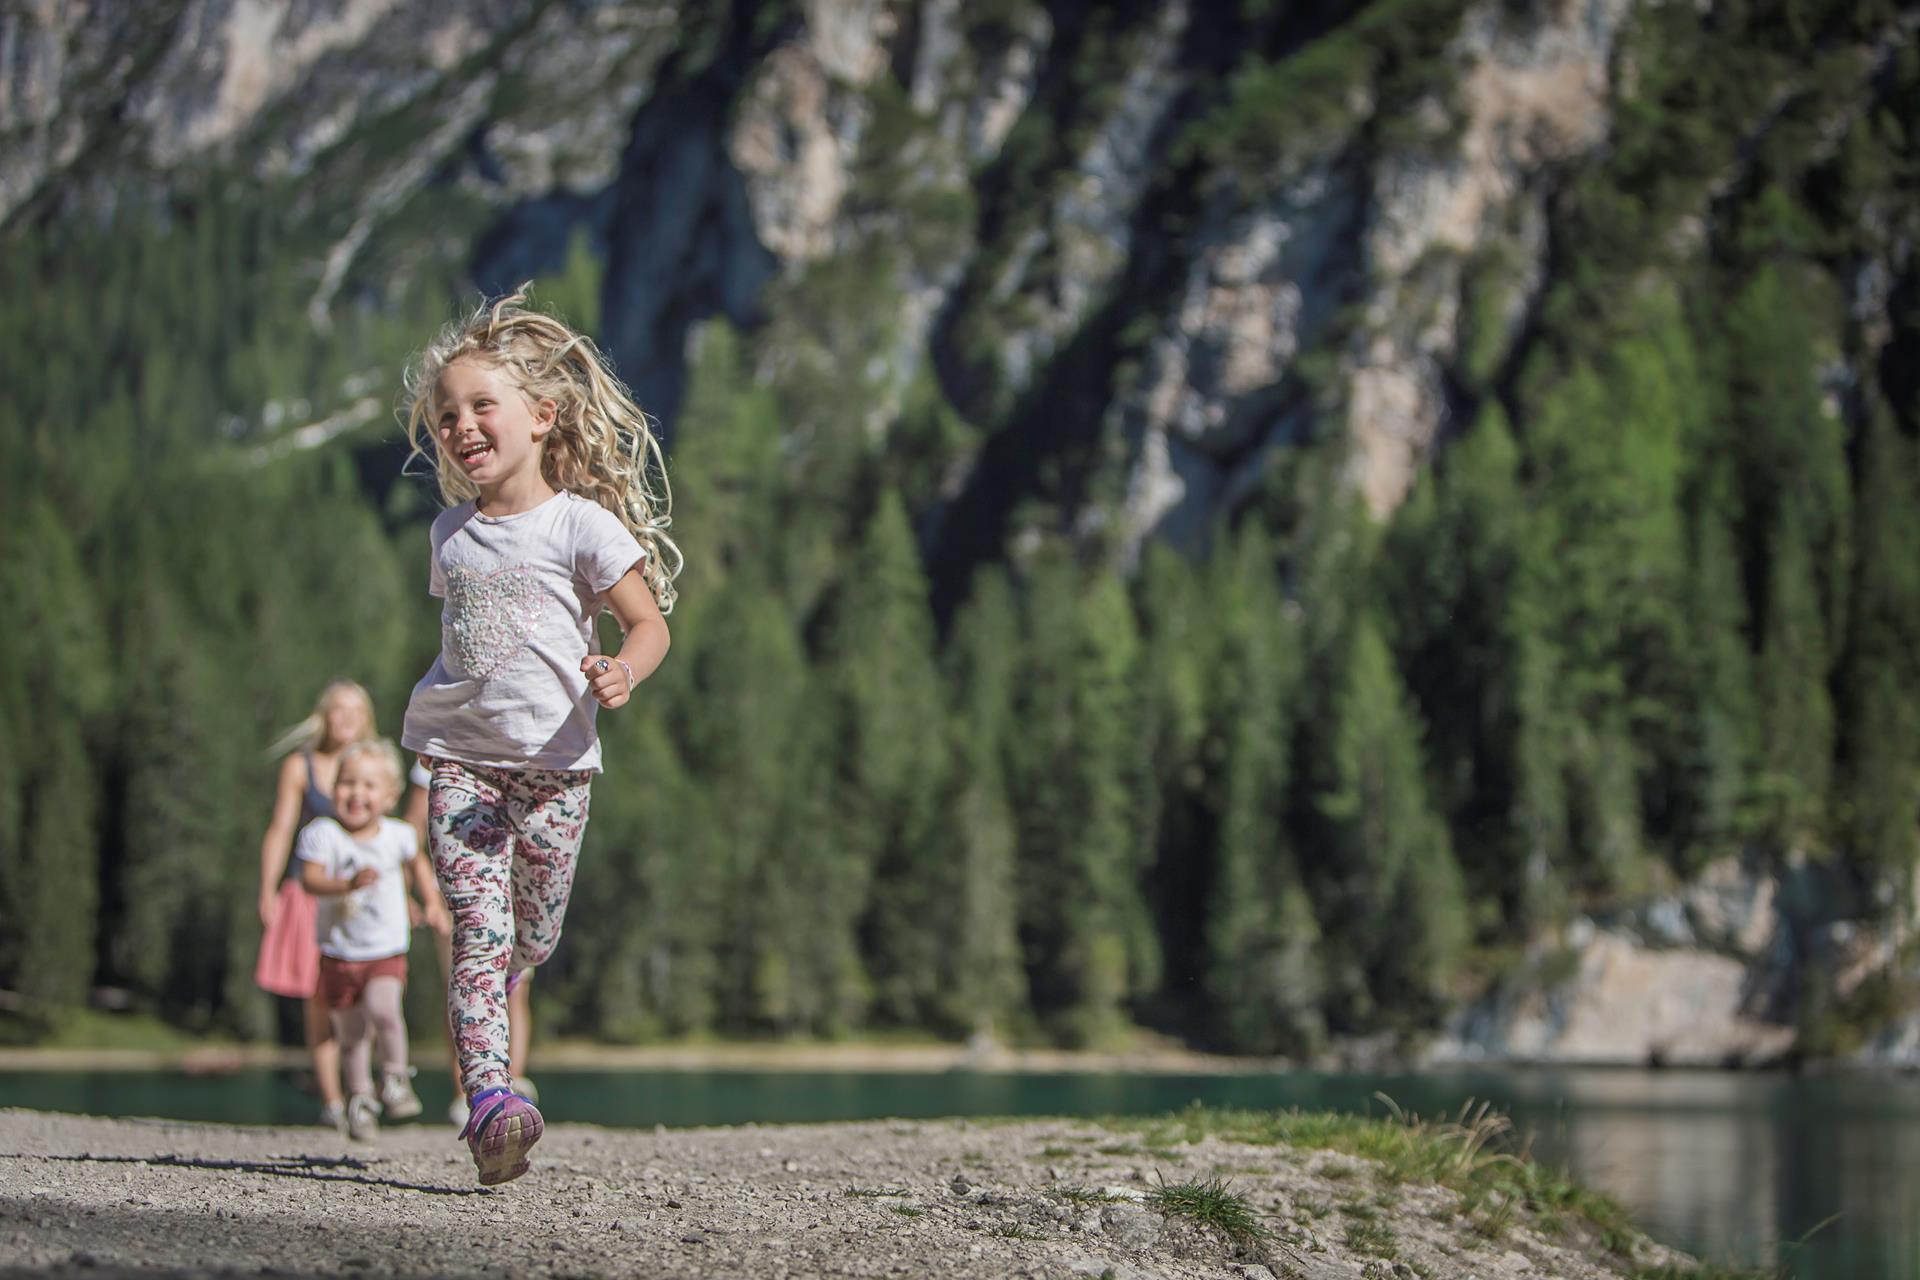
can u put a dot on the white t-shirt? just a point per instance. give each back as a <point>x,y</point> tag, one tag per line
<point>369,923</point>
<point>521,593</point>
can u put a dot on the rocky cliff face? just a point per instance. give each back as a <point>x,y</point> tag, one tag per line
<point>711,156</point>
<point>1368,255</point>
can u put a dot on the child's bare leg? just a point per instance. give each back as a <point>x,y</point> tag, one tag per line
<point>520,1025</point>
<point>381,1006</point>
<point>324,1050</point>
<point>356,1047</point>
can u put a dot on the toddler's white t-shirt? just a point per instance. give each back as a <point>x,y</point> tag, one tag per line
<point>369,923</point>
<point>521,593</point>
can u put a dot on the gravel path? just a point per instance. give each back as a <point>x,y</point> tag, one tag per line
<point>1051,1198</point>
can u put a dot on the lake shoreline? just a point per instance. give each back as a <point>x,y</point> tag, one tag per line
<point>565,1055</point>
<point>1159,1059</point>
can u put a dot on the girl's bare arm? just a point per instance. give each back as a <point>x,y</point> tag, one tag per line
<point>428,890</point>
<point>645,643</point>
<point>317,881</point>
<point>278,842</point>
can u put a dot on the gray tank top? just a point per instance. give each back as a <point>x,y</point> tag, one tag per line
<point>314,803</point>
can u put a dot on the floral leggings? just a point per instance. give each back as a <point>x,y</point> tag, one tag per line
<point>504,846</point>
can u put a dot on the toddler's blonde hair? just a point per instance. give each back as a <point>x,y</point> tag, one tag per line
<point>312,731</point>
<point>601,447</point>
<point>383,752</point>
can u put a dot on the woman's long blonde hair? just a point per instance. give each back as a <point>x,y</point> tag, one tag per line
<point>311,732</point>
<point>601,447</point>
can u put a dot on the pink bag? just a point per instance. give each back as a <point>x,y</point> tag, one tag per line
<point>289,953</point>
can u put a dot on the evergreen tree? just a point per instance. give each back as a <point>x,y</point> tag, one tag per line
<point>1393,894</point>
<point>1179,604</point>
<point>174,839</point>
<point>1450,568</point>
<point>1599,604</point>
<point>653,963</point>
<point>1088,941</point>
<point>58,683</point>
<point>726,468</point>
<point>1264,977</point>
<point>1716,765</point>
<point>1796,710</point>
<point>1796,504</point>
<point>1540,812</point>
<point>989,985</point>
<point>815,975</point>
<point>893,746</point>
<point>1879,781</point>
<point>744,685</point>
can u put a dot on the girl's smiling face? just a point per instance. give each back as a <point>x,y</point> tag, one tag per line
<point>486,425</point>
<point>363,792</point>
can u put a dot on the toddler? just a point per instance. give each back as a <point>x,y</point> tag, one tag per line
<point>357,864</point>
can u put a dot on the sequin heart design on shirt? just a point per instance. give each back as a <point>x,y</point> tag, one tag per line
<point>488,616</point>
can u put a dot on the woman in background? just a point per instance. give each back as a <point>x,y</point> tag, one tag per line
<point>289,952</point>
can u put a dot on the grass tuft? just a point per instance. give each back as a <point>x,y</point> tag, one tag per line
<point>1211,1202</point>
<point>1084,1195</point>
<point>1014,1231</point>
<point>1475,1154</point>
<point>874,1193</point>
<point>1375,1238</point>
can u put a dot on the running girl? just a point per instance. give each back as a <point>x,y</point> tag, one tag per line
<point>550,472</point>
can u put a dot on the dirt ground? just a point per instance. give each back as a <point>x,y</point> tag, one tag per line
<point>1050,1198</point>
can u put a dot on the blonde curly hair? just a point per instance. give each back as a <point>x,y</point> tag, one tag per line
<point>602,445</point>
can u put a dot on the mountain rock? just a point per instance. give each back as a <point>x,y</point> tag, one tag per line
<point>736,170</point>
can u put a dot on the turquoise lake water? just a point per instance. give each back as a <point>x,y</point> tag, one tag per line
<point>1735,1166</point>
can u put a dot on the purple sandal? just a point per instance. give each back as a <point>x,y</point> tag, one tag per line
<point>501,1128</point>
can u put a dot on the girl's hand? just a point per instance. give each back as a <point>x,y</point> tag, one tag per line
<point>363,877</point>
<point>439,919</point>
<point>607,680</point>
<point>416,914</point>
<point>269,907</point>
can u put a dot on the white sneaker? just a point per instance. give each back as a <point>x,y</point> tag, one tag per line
<point>334,1116</point>
<point>457,1111</point>
<point>526,1089</point>
<point>363,1118</point>
<point>398,1101</point>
